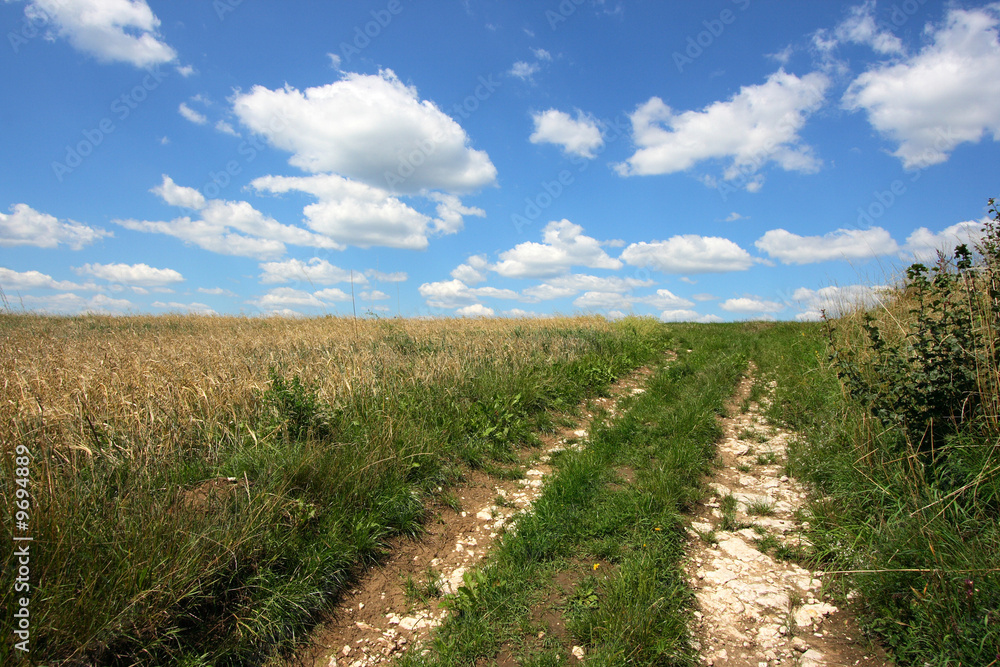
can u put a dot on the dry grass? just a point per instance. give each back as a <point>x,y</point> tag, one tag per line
<point>160,380</point>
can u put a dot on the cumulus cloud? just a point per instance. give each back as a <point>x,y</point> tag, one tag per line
<point>790,248</point>
<point>140,275</point>
<point>369,128</point>
<point>748,305</point>
<point>195,307</point>
<point>475,310</point>
<point>602,300</point>
<point>923,244</point>
<point>315,270</point>
<point>281,297</point>
<point>227,227</point>
<point>859,27</point>
<point>689,253</point>
<point>354,213</point>
<point>758,125</point>
<point>580,136</point>
<point>563,245</point>
<point>26,226</point>
<point>110,30</point>
<point>939,98</point>
<point>70,303</point>
<point>664,299</point>
<point>455,293</point>
<point>684,315</point>
<point>473,271</point>
<point>836,301</point>
<point>374,295</point>
<point>178,195</point>
<point>17,280</point>
<point>563,286</point>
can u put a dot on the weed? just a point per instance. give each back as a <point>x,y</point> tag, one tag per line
<point>760,508</point>
<point>767,459</point>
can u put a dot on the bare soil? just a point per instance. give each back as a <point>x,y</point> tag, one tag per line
<point>754,609</point>
<point>376,619</point>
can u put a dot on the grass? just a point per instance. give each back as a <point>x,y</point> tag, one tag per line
<point>337,433</point>
<point>634,608</point>
<point>907,515</point>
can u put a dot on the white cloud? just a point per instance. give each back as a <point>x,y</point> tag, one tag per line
<point>759,124</point>
<point>923,244</point>
<point>602,300</point>
<point>216,291</point>
<point>374,295</point>
<point>524,70</point>
<point>280,297</point>
<point>859,27</point>
<point>664,299</point>
<point>568,285</point>
<point>679,315</point>
<point>141,275</point>
<point>749,305</point>
<point>581,136</point>
<point>16,280</point>
<point>226,128</point>
<point>334,60</point>
<point>733,217</point>
<point>186,70</point>
<point>354,213</point>
<point>192,115</point>
<point>542,54</point>
<point>475,310</point>
<point>26,226</point>
<point>790,248</point>
<point>179,195</point>
<point>836,301</point>
<point>689,253</point>
<point>941,97</point>
<point>564,245</point>
<point>194,307</point>
<point>473,271</point>
<point>517,312</point>
<point>393,277</point>
<point>110,30</point>
<point>455,293</point>
<point>70,303</point>
<point>227,227</point>
<point>704,296</point>
<point>370,128</point>
<point>315,270</point>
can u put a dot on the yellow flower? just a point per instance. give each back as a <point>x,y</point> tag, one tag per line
<point>596,565</point>
<point>656,529</point>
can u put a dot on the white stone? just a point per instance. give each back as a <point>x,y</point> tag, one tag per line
<point>578,652</point>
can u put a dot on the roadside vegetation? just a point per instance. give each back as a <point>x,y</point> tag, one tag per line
<point>901,440</point>
<point>202,487</point>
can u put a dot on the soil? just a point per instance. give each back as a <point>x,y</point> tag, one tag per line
<point>753,609</point>
<point>376,619</point>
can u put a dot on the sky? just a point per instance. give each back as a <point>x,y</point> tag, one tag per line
<point>712,161</point>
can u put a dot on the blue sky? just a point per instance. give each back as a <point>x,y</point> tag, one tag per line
<point>704,161</point>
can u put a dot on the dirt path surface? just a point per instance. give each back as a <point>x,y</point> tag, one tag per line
<point>392,608</point>
<point>755,609</point>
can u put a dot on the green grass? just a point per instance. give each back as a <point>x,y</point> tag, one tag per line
<point>139,558</point>
<point>634,608</point>
<point>908,545</point>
